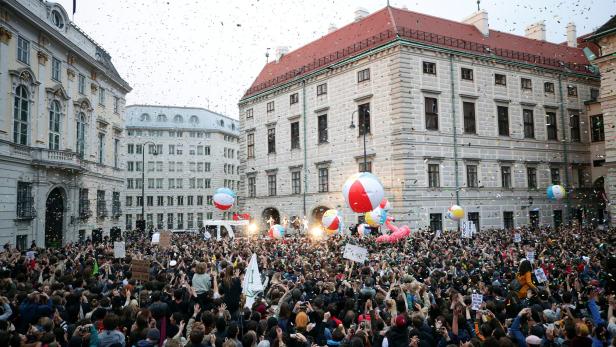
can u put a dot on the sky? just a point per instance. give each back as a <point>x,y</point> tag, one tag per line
<point>206,53</point>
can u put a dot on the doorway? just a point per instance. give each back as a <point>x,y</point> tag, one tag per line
<point>54,218</point>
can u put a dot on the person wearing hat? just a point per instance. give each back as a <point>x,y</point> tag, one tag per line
<point>398,334</point>
<point>151,340</point>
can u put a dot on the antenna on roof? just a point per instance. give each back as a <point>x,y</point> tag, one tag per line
<point>478,2</point>
<point>387,3</point>
<point>267,55</point>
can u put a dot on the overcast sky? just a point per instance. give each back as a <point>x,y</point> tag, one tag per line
<point>206,53</point>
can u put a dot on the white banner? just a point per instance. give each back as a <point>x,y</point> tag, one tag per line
<point>155,238</point>
<point>355,253</point>
<point>252,282</point>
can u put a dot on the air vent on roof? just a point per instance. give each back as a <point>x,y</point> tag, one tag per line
<point>571,35</point>
<point>536,31</point>
<point>480,20</point>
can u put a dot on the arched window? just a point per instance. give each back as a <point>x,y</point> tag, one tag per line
<point>81,134</point>
<point>178,119</point>
<point>194,119</point>
<point>54,125</point>
<point>145,117</point>
<point>161,118</point>
<point>21,116</point>
<point>232,126</point>
<point>222,123</point>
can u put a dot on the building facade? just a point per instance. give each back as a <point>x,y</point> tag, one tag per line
<point>452,112</point>
<point>187,153</point>
<point>61,129</point>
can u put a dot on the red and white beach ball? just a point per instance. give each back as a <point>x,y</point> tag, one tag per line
<point>224,198</point>
<point>363,192</point>
<point>276,231</point>
<point>331,220</point>
<point>385,205</point>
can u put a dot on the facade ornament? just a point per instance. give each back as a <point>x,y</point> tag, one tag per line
<point>42,57</point>
<point>5,35</point>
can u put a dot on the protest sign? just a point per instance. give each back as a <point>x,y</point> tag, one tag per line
<point>540,274</point>
<point>141,270</point>
<point>155,238</point>
<point>530,255</point>
<point>164,239</point>
<point>119,249</point>
<point>517,238</point>
<point>477,299</point>
<point>355,253</point>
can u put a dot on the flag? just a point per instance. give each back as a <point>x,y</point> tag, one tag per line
<point>241,216</point>
<point>74,6</point>
<point>252,282</point>
<point>95,269</point>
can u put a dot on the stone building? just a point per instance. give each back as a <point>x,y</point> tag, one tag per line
<point>452,112</point>
<point>61,129</point>
<point>188,153</point>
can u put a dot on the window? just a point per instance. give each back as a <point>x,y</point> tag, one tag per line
<point>190,200</point>
<point>179,182</point>
<point>271,184</point>
<point>101,205</point>
<point>581,177</point>
<point>199,200</point>
<point>574,123</point>
<point>474,217</point>
<point>25,201</point>
<point>469,118</point>
<point>555,175</point>
<point>84,204</point>
<point>249,113</point>
<point>271,140</point>
<point>200,219</point>
<point>169,220</point>
<point>548,87</point>
<point>293,99</point>
<point>180,200</point>
<point>130,148</point>
<point>363,75</point>
<point>323,180</point>
<point>506,176</point>
<point>270,106</point>
<point>191,220</point>
<point>503,120</point>
<point>171,183</point>
<point>21,116</point>
<point>322,128</point>
<point>295,135</point>
<point>170,201</point>
<point>526,83</point>
<point>101,96</point>
<point>130,166</point>
<point>598,163</point>
<point>558,218</point>
<point>500,80</point>
<point>23,50</point>
<point>159,220</point>
<point>139,149</point>
<point>180,221</point>
<point>56,66</point>
<point>139,201</point>
<point>572,91</point>
<point>129,222</point>
<point>81,134</point>
<point>429,68</point>
<point>431,108</point>
<point>116,145</point>
<point>508,220</point>
<point>54,125</point>
<point>252,187</point>
<point>116,105</point>
<point>296,184</point>
<point>597,131</point>
<point>129,201</point>
<point>367,168</point>
<point>531,177</point>
<point>471,176</point>
<point>81,84</point>
<point>550,123</point>
<point>322,89</point>
<point>138,183</point>
<point>434,180</point>
<point>529,124</point>
<point>150,200</point>
<point>594,94</point>
<point>101,147</point>
<point>436,221</point>
<point>467,74</point>
<point>178,119</point>
<point>130,183</point>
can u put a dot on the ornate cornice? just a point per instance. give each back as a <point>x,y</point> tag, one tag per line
<point>5,35</point>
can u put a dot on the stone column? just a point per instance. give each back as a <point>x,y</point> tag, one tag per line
<point>39,115</point>
<point>5,105</point>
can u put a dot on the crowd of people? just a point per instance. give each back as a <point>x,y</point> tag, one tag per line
<point>430,290</point>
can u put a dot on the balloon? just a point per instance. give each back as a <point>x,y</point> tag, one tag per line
<point>383,239</point>
<point>331,221</point>
<point>375,217</point>
<point>276,231</point>
<point>363,192</point>
<point>385,205</point>
<point>455,212</point>
<point>556,192</point>
<point>363,230</point>
<point>224,198</point>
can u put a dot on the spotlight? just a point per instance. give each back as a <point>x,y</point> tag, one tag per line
<point>252,228</point>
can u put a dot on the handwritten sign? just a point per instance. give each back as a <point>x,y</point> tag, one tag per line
<point>119,249</point>
<point>530,255</point>
<point>141,270</point>
<point>477,300</point>
<point>155,238</point>
<point>165,239</point>
<point>355,253</point>
<point>540,274</point>
<point>468,229</point>
<point>517,238</point>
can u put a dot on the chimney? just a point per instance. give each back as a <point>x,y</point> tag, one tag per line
<point>480,20</point>
<point>331,28</point>
<point>536,31</point>
<point>281,51</point>
<point>571,35</point>
<point>361,13</point>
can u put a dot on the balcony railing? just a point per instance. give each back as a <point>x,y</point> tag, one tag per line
<point>25,209</point>
<point>56,158</point>
<point>101,209</point>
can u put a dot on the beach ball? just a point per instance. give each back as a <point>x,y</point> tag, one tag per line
<point>385,205</point>
<point>363,192</point>
<point>224,198</point>
<point>276,231</point>
<point>455,212</point>
<point>363,230</point>
<point>331,220</point>
<point>556,192</point>
<point>375,217</point>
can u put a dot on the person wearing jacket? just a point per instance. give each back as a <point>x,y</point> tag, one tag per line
<point>524,277</point>
<point>32,308</point>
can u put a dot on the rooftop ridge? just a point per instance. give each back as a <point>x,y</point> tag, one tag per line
<point>181,107</point>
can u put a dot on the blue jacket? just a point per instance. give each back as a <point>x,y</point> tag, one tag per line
<point>30,312</point>
<point>515,330</point>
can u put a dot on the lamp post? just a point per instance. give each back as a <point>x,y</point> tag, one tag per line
<point>143,179</point>
<point>363,125</point>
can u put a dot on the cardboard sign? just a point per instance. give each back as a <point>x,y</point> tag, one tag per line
<point>477,300</point>
<point>141,270</point>
<point>355,253</point>
<point>155,238</point>
<point>530,255</point>
<point>517,238</point>
<point>119,249</point>
<point>540,274</point>
<point>165,239</point>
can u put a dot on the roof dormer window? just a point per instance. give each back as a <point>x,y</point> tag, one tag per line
<point>57,19</point>
<point>194,119</point>
<point>178,119</point>
<point>161,118</point>
<point>145,117</point>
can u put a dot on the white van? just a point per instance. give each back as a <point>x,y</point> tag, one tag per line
<point>222,228</point>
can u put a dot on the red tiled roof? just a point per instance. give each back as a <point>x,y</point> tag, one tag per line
<point>384,25</point>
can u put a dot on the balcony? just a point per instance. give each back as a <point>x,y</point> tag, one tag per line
<point>25,209</point>
<point>60,159</point>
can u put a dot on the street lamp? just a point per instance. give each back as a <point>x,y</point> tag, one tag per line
<point>143,179</point>
<point>363,125</point>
